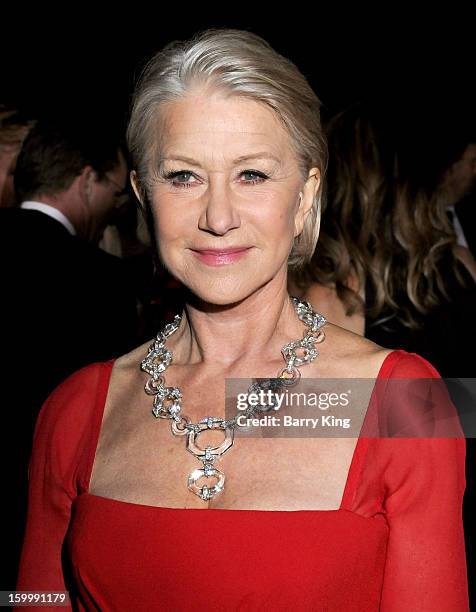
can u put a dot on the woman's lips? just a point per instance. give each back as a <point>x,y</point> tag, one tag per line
<point>220,257</point>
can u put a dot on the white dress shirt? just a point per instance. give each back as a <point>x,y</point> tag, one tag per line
<point>52,212</point>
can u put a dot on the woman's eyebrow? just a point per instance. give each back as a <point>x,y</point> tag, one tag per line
<point>189,160</point>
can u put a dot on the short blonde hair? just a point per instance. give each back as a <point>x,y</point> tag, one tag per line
<point>240,63</point>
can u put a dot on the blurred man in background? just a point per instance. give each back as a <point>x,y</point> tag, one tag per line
<point>66,302</point>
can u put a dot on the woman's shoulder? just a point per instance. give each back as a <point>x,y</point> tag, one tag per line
<point>403,364</point>
<point>130,360</point>
<point>76,406</point>
<point>362,358</point>
<point>328,303</point>
<point>68,417</point>
<point>125,378</point>
<point>76,396</point>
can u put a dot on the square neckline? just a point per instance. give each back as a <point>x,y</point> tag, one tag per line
<point>348,493</point>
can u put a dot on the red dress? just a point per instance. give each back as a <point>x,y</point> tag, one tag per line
<point>395,543</point>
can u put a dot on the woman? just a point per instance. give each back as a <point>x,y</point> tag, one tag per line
<point>229,156</point>
<point>389,266</point>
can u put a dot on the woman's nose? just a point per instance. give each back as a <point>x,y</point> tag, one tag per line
<point>219,214</point>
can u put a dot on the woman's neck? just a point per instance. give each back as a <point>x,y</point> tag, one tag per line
<point>252,330</point>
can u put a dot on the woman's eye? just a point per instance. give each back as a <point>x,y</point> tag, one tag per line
<point>259,176</point>
<point>175,178</point>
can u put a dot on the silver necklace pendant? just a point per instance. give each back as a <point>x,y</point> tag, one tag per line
<point>167,401</point>
<point>208,456</point>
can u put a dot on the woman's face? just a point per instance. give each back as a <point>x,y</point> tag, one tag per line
<point>226,202</point>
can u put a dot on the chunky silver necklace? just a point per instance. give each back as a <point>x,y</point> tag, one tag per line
<point>167,402</point>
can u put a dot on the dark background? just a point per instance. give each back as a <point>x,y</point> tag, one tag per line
<point>75,59</point>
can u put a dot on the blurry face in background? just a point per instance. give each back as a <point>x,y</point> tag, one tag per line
<point>106,196</point>
<point>224,225</point>
<point>8,158</point>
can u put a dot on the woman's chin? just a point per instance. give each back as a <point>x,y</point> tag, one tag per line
<point>224,292</point>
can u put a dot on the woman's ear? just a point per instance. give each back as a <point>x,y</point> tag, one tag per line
<point>135,187</point>
<point>306,199</point>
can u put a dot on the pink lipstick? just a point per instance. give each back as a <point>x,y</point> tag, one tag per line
<point>220,257</point>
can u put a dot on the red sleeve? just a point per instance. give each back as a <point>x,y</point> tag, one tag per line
<point>424,483</point>
<point>62,444</point>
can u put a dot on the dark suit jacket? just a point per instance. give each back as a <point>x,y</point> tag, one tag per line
<point>65,303</point>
